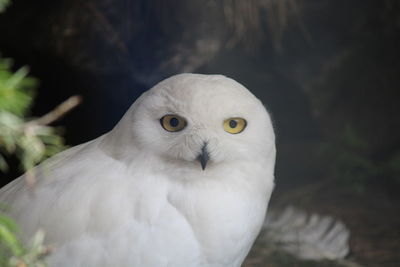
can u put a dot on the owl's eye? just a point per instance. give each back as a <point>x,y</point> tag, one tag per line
<point>173,123</point>
<point>234,125</point>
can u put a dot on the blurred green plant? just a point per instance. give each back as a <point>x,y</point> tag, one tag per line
<point>14,253</point>
<point>28,142</point>
<point>31,141</point>
<point>4,4</point>
<point>16,91</point>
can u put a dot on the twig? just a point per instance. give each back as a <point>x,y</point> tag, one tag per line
<point>58,112</point>
<point>54,115</point>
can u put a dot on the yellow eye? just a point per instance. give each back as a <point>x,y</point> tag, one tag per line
<point>234,125</point>
<point>173,123</point>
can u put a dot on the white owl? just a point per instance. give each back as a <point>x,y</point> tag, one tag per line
<point>184,179</point>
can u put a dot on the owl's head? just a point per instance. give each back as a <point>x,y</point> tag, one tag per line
<point>199,120</point>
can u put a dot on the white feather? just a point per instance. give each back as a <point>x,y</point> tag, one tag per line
<point>137,196</point>
<point>310,237</point>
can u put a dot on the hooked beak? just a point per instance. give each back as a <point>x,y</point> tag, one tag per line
<point>204,156</point>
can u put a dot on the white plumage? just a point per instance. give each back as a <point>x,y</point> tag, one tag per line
<point>137,196</point>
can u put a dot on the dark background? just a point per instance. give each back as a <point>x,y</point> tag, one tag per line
<point>327,70</point>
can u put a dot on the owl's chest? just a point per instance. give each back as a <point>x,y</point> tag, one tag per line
<point>223,221</point>
<point>157,223</point>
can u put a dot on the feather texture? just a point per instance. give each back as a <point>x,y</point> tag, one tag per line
<point>311,237</point>
<point>137,196</point>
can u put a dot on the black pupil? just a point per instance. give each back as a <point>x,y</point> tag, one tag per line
<point>174,122</point>
<point>233,123</point>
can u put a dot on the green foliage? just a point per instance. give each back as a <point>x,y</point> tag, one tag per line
<point>8,241</point>
<point>3,5</point>
<point>16,89</point>
<point>30,141</point>
<point>13,252</point>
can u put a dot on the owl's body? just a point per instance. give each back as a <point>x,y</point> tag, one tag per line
<point>137,196</point>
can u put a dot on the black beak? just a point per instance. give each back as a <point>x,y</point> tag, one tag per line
<point>204,156</point>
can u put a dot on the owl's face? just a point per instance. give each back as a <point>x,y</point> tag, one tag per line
<point>202,120</point>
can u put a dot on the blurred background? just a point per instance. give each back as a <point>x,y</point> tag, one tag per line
<point>328,71</point>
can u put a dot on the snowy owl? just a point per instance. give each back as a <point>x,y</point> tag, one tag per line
<point>184,179</point>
